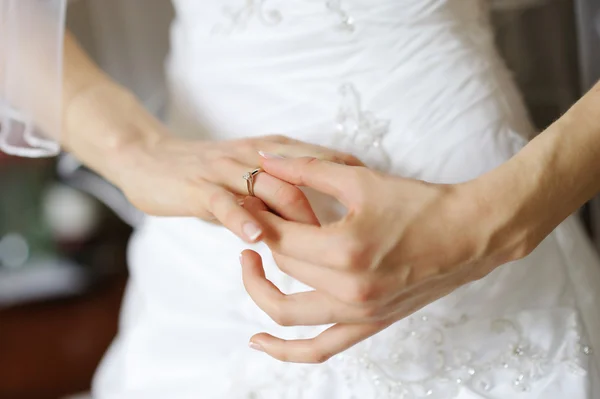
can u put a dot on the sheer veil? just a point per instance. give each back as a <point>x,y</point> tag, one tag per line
<point>31,48</point>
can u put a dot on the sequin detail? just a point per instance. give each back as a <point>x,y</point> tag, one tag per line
<point>426,357</point>
<point>438,369</point>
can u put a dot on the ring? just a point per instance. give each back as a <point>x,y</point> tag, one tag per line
<point>249,177</point>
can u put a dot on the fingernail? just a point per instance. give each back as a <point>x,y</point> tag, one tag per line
<point>251,231</point>
<point>255,346</point>
<point>268,155</point>
<point>241,259</point>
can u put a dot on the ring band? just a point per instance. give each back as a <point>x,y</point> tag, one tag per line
<point>249,177</point>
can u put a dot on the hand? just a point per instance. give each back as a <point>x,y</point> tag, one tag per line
<point>176,177</point>
<point>402,245</point>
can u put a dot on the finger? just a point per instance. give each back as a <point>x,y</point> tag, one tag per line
<point>334,340</point>
<point>413,298</point>
<point>227,210</point>
<point>298,149</point>
<point>367,290</point>
<point>330,342</point>
<point>301,309</point>
<point>247,150</point>
<point>370,297</point>
<point>255,205</point>
<point>326,245</point>
<point>284,198</point>
<point>327,177</point>
<point>229,173</point>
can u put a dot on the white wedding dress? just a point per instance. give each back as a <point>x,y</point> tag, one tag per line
<point>412,87</point>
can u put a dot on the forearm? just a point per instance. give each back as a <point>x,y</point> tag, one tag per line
<point>101,119</point>
<point>554,175</point>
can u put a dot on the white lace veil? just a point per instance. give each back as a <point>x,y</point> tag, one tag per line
<point>31,48</point>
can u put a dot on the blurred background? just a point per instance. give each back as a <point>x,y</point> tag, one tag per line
<point>64,231</point>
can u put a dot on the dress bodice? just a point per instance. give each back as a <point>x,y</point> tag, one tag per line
<point>337,72</point>
<point>414,87</point>
<point>231,16</point>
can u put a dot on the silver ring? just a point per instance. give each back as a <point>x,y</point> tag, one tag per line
<point>249,177</point>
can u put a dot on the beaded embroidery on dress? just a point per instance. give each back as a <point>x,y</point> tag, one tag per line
<point>412,87</point>
<point>359,131</point>
<point>238,18</point>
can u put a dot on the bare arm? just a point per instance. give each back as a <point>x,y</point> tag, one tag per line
<point>106,128</point>
<point>554,175</point>
<point>101,120</point>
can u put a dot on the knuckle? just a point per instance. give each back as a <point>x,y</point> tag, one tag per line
<point>355,181</point>
<point>246,145</point>
<point>230,217</point>
<point>356,173</point>
<point>223,163</point>
<point>279,314</point>
<point>355,254</point>
<point>312,161</point>
<point>285,357</point>
<point>278,138</point>
<point>205,215</point>
<point>328,156</point>
<point>289,196</point>
<point>196,202</point>
<point>476,274</point>
<point>318,356</point>
<point>352,160</point>
<point>361,292</point>
<point>370,312</point>
<point>215,199</point>
<point>201,210</point>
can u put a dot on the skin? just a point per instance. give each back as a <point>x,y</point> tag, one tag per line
<point>108,130</point>
<point>372,279</point>
<point>405,243</point>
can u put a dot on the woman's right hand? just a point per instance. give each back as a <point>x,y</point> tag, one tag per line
<point>170,176</point>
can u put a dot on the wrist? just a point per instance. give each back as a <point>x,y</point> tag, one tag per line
<point>106,128</point>
<point>496,232</point>
<point>505,212</point>
<point>549,179</point>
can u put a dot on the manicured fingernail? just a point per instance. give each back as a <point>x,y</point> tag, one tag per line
<point>268,155</point>
<point>255,346</point>
<point>251,231</point>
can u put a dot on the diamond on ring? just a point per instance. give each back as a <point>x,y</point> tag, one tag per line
<point>249,177</point>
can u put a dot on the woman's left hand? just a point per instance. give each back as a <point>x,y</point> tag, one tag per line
<point>403,244</point>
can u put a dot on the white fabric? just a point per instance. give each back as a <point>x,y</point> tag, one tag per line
<point>414,87</point>
<point>31,49</point>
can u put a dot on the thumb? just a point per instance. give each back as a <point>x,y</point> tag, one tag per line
<point>328,177</point>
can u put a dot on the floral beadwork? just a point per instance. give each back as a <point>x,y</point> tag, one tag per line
<point>423,357</point>
<point>346,21</point>
<point>239,18</point>
<point>439,370</point>
<point>359,131</point>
